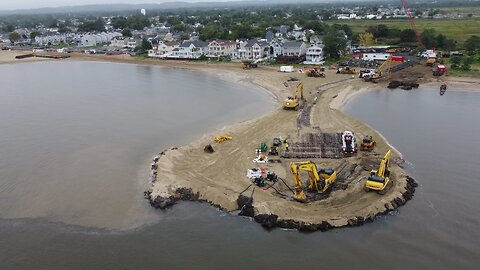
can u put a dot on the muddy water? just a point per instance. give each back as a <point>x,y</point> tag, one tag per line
<point>76,137</point>
<point>438,229</point>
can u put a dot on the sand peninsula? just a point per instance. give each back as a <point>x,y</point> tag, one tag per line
<point>219,178</point>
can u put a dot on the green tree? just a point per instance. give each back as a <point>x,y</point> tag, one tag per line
<point>407,35</point>
<point>450,44</point>
<point>366,39</point>
<point>456,62</point>
<point>440,40</point>
<point>334,43</point>
<point>179,27</point>
<point>429,38</point>
<point>315,25</point>
<point>472,44</point>
<point>137,22</point>
<point>126,32</point>
<point>184,36</point>
<point>92,26</point>
<point>379,31</point>
<point>119,22</point>
<point>466,63</point>
<point>34,34</point>
<point>144,46</point>
<point>8,28</point>
<point>14,37</point>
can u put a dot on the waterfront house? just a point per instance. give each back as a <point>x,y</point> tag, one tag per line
<point>190,50</point>
<point>294,49</point>
<point>164,49</point>
<point>221,48</point>
<point>315,54</point>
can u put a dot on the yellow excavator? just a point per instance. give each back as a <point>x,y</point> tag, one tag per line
<point>222,138</point>
<point>320,180</point>
<point>379,179</point>
<point>379,71</point>
<point>292,102</point>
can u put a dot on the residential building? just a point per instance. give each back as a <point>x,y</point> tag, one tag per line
<point>254,49</point>
<point>119,42</point>
<point>277,46</point>
<point>297,49</point>
<point>221,48</point>
<point>90,40</point>
<point>190,50</point>
<point>315,54</point>
<point>51,39</point>
<point>316,39</point>
<point>163,49</point>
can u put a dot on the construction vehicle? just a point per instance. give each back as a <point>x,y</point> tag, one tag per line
<point>273,151</point>
<point>431,61</point>
<point>349,145</point>
<point>222,138</point>
<point>438,69</point>
<point>379,179</point>
<point>277,141</point>
<point>247,64</point>
<point>379,72</point>
<point>292,102</point>
<point>345,70</point>
<point>320,180</point>
<point>367,143</point>
<point>366,73</point>
<point>315,72</point>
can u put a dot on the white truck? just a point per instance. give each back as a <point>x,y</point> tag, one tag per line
<point>286,69</point>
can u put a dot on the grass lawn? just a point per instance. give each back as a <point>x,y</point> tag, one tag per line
<point>458,29</point>
<point>474,72</point>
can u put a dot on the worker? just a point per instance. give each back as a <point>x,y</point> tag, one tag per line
<point>286,146</point>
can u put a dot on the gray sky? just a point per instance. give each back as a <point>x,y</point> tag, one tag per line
<point>28,4</point>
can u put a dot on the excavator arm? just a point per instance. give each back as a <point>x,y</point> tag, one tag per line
<point>299,195</point>
<point>384,164</point>
<point>299,88</point>
<point>318,182</point>
<point>387,64</point>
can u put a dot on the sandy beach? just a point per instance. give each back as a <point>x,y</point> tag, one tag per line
<point>188,173</point>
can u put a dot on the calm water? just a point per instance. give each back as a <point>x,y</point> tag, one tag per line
<point>438,229</point>
<point>76,138</point>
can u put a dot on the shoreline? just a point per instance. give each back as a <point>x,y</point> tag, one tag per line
<point>164,165</point>
<point>163,196</point>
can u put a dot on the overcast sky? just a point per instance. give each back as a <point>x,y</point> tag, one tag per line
<point>27,4</point>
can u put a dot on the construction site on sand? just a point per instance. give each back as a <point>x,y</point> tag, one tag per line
<point>305,166</point>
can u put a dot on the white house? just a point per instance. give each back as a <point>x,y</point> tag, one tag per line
<point>221,47</point>
<point>254,49</point>
<point>375,56</point>
<point>131,43</point>
<point>51,39</point>
<point>190,50</point>
<point>277,48</point>
<point>90,40</point>
<point>294,49</point>
<point>163,49</point>
<point>118,42</point>
<point>315,54</point>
